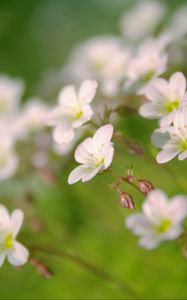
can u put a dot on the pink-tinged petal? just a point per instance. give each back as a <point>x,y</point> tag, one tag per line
<point>168,119</point>
<point>18,255</point>
<point>68,97</point>
<point>87,91</point>
<point>149,242</point>
<point>183,155</point>
<point>156,90</point>
<point>156,205</point>
<point>76,175</point>
<point>103,135</point>
<point>180,120</point>
<point>2,259</point>
<point>139,224</point>
<point>173,233</point>
<point>177,84</point>
<point>178,208</point>
<point>63,134</point>
<point>151,110</point>
<point>16,220</point>
<point>83,152</point>
<point>4,216</point>
<point>108,152</point>
<point>166,155</point>
<point>10,168</point>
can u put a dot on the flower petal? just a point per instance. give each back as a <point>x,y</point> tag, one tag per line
<point>108,152</point>
<point>177,85</point>
<point>18,255</point>
<point>87,91</point>
<point>160,137</point>
<point>166,155</point>
<point>83,151</point>
<point>103,135</point>
<point>138,223</point>
<point>183,155</point>
<point>76,175</point>
<point>2,258</point>
<point>149,242</point>
<point>67,96</point>
<point>16,220</point>
<point>151,110</point>
<point>4,216</point>
<point>156,90</point>
<point>63,134</point>
<point>178,208</point>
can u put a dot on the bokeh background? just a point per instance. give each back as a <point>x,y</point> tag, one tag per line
<point>36,37</point>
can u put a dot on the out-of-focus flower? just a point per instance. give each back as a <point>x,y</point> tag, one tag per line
<point>72,111</point>
<point>8,158</point>
<point>10,92</point>
<point>165,97</point>
<point>160,219</point>
<point>32,118</point>
<point>102,58</point>
<point>149,62</point>
<point>94,154</point>
<point>172,141</point>
<point>16,253</point>
<point>177,26</point>
<point>142,20</point>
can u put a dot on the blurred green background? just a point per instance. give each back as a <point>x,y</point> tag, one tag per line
<point>36,37</point>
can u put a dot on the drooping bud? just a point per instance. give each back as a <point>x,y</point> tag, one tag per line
<point>127,200</point>
<point>145,186</point>
<point>41,268</point>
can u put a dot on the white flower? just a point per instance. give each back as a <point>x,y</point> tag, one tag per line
<point>72,111</point>
<point>93,59</point>
<point>94,154</point>
<point>142,19</point>
<point>32,118</point>
<point>159,220</point>
<point>164,98</point>
<point>16,253</point>
<point>177,26</point>
<point>149,62</point>
<point>10,93</point>
<point>8,158</point>
<point>172,141</point>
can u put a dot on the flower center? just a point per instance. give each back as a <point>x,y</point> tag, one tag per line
<point>164,226</point>
<point>148,76</point>
<point>78,115</point>
<point>8,242</point>
<point>171,105</point>
<point>184,145</point>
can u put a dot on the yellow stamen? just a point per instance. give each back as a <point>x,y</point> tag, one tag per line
<point>8,242</point>
<point>171,105</point>
<point>163,227</point>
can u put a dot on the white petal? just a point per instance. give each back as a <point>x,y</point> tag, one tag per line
<point>11,167</point>
<point>166,155</point>
<point>108,152</point>
<point>177,84</point>
<point>160,137</point>
<point>4,216</point>
<point>89,173</point>
<point>138,223</point>
<point>168,119</point>
<point>67,96</point>
<point>16,220</point>
<point>63,134</point>
<point>178,208</point>
<point>76,175</point>
<point>155,205</point>
<point>2,259</point>
<point>86,116</point>
<point>183,155</point>
<point>151,110</point>
<point>18,255</point>
<point>173,233</point>
<point>83,151</point>
<point>149,242</point>
<point>180,119</point>
<point>156,90</point>
<point>103,135</point>
<point>87,91</point>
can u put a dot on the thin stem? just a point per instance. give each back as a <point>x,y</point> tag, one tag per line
<point>86,265</point>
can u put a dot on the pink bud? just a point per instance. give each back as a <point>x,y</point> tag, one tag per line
<point>126,200</point>
<point>145,186</point>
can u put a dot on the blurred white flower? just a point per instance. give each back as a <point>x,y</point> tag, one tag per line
<point>10,92</point>
<point>177,26</point>
<point>95,155</point>
<point>143,19</point>
<point>8,158</point>
<point>149,62</point>
<point>16,253</point>
<point>102,58</point>
<point>32,118</point>
<point>159,220</point>
<point>172,141</point>
<point>165,97</point>
<point>73,111</point>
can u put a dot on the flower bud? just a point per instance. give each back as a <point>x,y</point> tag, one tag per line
<point>127,200</point>
<point>145,186</point>
<point>41,268</point>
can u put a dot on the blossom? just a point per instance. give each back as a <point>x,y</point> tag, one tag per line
<point>172,141</point>
<point>159,220</point>
<point>93,59</point>
<point>8,159</point>
<point>73,111</point>
<point>10,93</point>
<point>142,19</point>
<point>165,97</point>
<point>148,62</point>
<point>95,155</point>
<point>15,252</point>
